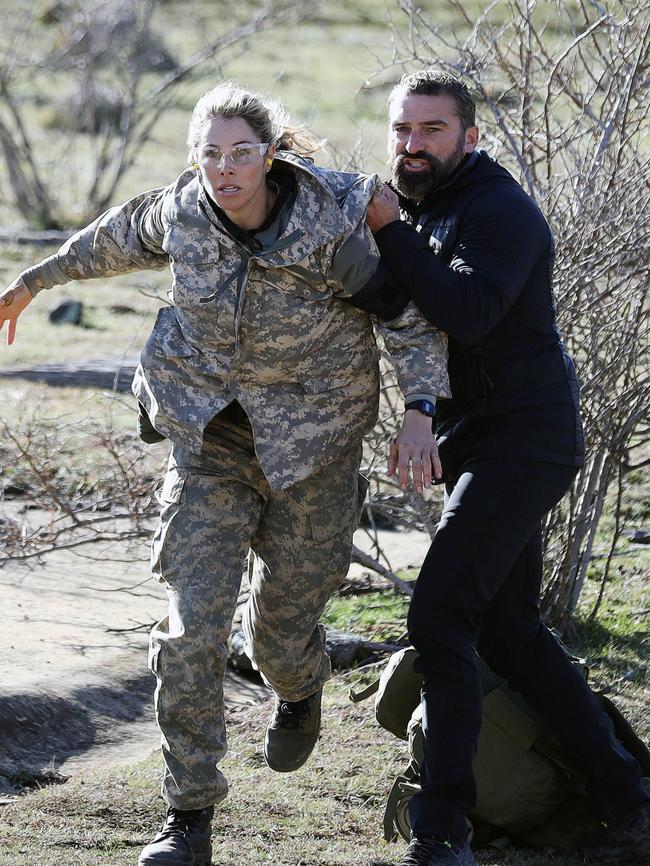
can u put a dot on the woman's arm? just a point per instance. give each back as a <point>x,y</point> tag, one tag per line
<point>109,246</point>
<point>124,239</point>
<point>417,349</point>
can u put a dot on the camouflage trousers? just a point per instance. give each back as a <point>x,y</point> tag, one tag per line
<point>214,507</point>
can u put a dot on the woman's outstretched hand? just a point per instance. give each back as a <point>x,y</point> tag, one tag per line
<point>12,302</point>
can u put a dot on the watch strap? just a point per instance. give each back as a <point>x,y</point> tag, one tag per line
<point>425,406</point>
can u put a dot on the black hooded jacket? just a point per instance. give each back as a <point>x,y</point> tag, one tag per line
<point>477,258</point>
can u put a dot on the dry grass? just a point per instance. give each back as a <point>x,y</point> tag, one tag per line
<point>327,813</point>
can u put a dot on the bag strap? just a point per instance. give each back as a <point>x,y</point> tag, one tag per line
<point>356,696</point>
<point>404,784</point>
<point>625,732</point>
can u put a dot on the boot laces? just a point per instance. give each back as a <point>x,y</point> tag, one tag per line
<point>289,714</point>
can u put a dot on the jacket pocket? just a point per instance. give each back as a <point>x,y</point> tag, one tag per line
<point>168,338</point>
<point>317,385</point>
<point>169,498</point>
<point>360,374</point>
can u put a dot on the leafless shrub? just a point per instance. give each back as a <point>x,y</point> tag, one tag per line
<point>563,93</point>
<point>76,484</point>
<point>117,78</point>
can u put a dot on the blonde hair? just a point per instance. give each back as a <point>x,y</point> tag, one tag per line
<point>266,116</point>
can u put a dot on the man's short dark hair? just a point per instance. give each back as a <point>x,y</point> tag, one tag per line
<point>433,82</point>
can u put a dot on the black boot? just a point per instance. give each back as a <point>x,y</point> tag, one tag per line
<point>183,841</point>
<point>622,840</point>
<point>429,851</point>
<point>292,732</point>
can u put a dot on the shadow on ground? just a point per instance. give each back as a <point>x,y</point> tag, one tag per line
<point>38,732</point>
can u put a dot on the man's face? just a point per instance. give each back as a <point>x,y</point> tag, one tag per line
<point>426,142</point>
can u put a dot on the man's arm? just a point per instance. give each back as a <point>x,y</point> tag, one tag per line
<point>501,239</point>
<point>358,276</point>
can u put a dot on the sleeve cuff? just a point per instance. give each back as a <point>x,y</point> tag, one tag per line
<point>410,398</point>
<point>44,275</point>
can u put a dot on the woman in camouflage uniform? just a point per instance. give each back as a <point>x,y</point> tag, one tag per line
<point>263,375</point>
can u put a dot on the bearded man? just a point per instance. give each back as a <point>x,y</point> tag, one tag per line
<point>467,244</point>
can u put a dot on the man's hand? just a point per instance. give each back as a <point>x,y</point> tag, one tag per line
<point>415,444</point>
<point>383,209</point>
<point>12,302</point>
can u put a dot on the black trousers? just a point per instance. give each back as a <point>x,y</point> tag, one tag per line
<point>479,589</point>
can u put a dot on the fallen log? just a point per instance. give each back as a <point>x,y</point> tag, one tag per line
<point>106,374</point>
<point>370,562</point>
<point>344,649</point>
<point>47,237</point>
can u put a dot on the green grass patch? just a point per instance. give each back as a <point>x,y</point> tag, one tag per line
<point>379,616</point>
<point>616,642</point>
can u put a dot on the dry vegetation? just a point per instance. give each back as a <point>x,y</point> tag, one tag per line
<point>325,814</point>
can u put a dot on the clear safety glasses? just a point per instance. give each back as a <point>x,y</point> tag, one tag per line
<point>241,154</point>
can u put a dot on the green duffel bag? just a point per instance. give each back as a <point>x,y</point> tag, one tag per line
<point>527,789</point>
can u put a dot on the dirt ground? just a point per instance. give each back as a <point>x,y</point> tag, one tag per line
<point>74,684</point>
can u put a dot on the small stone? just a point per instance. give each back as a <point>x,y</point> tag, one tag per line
<point>67,312</point>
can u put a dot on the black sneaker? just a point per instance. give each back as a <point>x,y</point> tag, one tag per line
<point>292,732</point>
<point>183,841</point>
<point>428,851</point>
<point>622,840</point>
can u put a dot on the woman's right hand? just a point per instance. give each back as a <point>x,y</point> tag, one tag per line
<point>13,301</point>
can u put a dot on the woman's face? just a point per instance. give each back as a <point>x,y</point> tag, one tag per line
<point>233,169</point>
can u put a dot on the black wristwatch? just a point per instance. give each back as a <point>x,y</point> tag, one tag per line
<point>425,406</point>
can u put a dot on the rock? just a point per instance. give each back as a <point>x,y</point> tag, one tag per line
<point>639,536</point>
<point>10,490</point>
<point>67,312</point>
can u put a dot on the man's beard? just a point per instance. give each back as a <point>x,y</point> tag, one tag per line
<point>416,185</point>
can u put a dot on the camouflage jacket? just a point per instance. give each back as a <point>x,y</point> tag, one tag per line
<point>270,329</point>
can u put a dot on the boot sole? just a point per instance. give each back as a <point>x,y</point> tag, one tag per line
<point>202,859</point>
<point>200,862</point>
<point>289,766</point>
